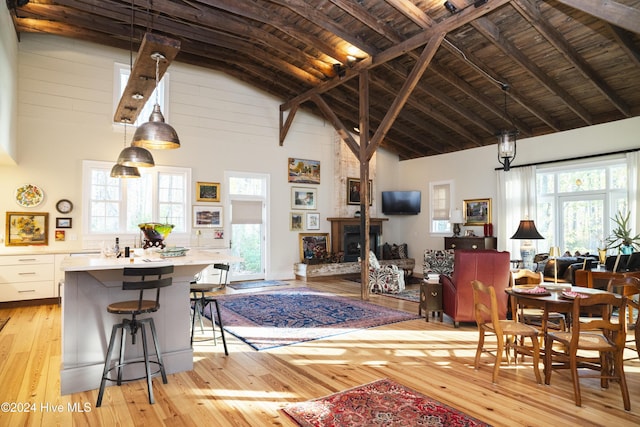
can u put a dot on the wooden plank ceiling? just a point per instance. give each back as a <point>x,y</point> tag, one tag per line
<point>567,63</point>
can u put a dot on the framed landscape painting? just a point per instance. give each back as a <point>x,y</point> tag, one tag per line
<point>296,221</point>
<point>303,171</point>
<point>208,191</point>
<point>477,211</point>
<point>304,198</point>
<point>207,216</point>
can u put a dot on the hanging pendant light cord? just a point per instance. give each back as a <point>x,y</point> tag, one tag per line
<point>157,75</point>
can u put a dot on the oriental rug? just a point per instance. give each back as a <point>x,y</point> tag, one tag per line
<point>279,318</point>
<point>380,403</point>
<point>407,294</point>
<point>257,284</point>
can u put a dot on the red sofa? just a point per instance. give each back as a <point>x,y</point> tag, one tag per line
<point>491,267</point>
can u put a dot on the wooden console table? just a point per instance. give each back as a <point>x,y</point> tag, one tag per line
<point>586,278</point>
<point>470,242</point>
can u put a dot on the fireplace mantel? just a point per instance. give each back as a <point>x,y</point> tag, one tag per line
<point>351,225</point>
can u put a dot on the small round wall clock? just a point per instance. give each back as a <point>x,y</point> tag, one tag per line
<point>64,206</point>
<point>29,196</point>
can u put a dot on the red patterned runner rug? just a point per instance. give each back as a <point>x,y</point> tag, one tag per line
<point>380,403</point>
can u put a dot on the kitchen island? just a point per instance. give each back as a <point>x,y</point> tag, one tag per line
<point>93,282</point>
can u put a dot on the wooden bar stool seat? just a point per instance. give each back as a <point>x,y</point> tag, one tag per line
<point>149,279</point>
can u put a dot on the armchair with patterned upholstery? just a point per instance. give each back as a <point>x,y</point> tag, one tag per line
<point>387,279</point>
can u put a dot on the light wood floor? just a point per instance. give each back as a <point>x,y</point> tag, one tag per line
<point>248,388</point>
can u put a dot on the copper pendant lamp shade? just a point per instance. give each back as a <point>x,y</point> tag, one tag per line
<point>119,171</point>
<point>156,134</point>
<point>136,157</point>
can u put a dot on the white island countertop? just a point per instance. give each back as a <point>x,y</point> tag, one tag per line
<point>92,282</point>
<point>152,258</point>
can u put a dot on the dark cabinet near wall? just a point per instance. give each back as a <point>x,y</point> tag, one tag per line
<point>470,243</point>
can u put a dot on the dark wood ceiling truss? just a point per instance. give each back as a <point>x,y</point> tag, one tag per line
<point>568,63</point>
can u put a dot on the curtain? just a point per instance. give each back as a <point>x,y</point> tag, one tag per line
<point>633,176</point>
<point>516,201</point>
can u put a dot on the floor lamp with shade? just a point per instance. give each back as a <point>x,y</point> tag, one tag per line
<point>527,232</point>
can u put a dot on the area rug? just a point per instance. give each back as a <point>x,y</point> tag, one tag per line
<point>380,403</point>
<point>257,284</point>
<point>3,322</point>
<point>273,319</point>
<point>407,294</point>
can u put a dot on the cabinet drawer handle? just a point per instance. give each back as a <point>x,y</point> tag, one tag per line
<point>27,273</point>
<point>27,259</point>
<point>474,246</point>
<point>453,245</point>
<point>25,291</point>
<point>434,294</point>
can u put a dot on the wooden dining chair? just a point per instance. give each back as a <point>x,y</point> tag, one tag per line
<point>507,332</point>
<point>630,288</point>
<point>595,334</point>
<point>530,315</point>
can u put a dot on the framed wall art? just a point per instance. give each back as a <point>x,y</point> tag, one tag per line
<point>304,198</point>
<point>27,228</point>
<point>314,245</point>
<point>477,211</point>
<point>313,221</point>
<point>63,222</point>
<point>207,216</point>
<point>353,191</point>
<point>59,235</point>
<point>296,221</point>
<point>304,171</point>
<point>208,191</point>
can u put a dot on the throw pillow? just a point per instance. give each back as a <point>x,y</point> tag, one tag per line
<point>439,261</point>
<point>395,251</point>
<point>403,251</point>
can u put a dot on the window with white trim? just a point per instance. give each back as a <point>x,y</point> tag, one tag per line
<point>575,204</point>
<point>117,206</point>
<point>440,197</point>
<point>121,77</point>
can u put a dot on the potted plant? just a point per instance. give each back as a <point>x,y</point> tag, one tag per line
<point>620,237</point>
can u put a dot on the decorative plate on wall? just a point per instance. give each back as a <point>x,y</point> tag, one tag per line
<point>29,196</point>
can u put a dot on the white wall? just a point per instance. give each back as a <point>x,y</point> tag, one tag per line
<point>8,89</point>
<point>65,107</point>
<point>473,171</point>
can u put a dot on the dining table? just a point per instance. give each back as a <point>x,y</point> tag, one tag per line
<point>550,297</point>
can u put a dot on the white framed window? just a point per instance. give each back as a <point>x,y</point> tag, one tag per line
<point>121,77</point>
<point>575,204</point>
<point>114,206</point>
<point>440,197</point>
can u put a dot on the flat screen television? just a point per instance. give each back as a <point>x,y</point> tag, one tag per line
<point>401,202</point>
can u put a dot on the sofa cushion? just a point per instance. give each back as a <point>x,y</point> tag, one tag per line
<point>439,261</point>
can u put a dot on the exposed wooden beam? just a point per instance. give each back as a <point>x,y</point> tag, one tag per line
<point>142,80</point>
<point>403,94</point>
<point>614,12</point>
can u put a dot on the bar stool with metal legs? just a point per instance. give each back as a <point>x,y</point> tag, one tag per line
<point>150,279</point>
<point>201,297</point>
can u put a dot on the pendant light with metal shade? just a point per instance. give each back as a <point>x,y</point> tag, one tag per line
<point>121,171</point>
<point>156,134</point>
